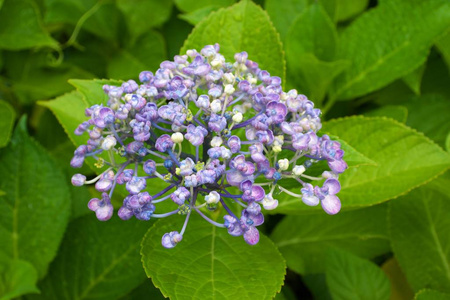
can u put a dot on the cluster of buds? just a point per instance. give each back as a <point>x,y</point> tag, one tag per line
<point>213,135</point>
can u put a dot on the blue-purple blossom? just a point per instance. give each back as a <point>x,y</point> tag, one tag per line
<point>204,133</point>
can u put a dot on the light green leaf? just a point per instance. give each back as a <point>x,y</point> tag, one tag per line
<point>21,26</point>
<point>6,122</point>
<point>97,260</point>
<point>347,9</point>
<point>310,50</point>
<point>435,110</point>
<point>198,15</point>
<point>146,54</point>
<point>92,90</point>
<point>396,112</point>
<point>17,278</point>
<point>399,153</point>
<point>193,5</point>
<point>284,13</point>
<point>414,79</point>
<point>428,294</point>
<point>419,224</point>
<point>210,264</point>
<point>447,142</point>
<point>141,15</point>
<point>231,28</point>
<point>36,208</point>
<point>402,44</point>
<point>304,240</point>
<point>101,18</point>
<point>351,277</point>
<point>443,45</point>
<point>353,158</point>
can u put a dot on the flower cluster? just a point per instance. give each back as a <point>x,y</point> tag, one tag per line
<point>212,135</point>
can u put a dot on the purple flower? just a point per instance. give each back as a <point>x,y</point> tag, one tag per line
<point>103,208</point>
<point>217,123</point>
<point>308,195</point>
<point>172,112</point>
<point>276,111</point>
<point>148,113</point>
<point>180,195</point>
<point>78,179</point>
<point>187,166</point>
<point>232,225</point>
<point>145,76</point>
<point>241,170</point>
<point>251,217</point>
<point>169,240</point>
<point>234,142</point>
<point>149,166</point>
<point>103,117</point>
<point>195,135</point>
<point>327,195</point>
<point>202,102</point>
<point>125,176</point>
<point>141,130</point>
<point>251,192</point>
<point>130,86</point>
<point>176,88</point>
<point>198,67</point>
<point>136,184</point>
<point>164,143</point>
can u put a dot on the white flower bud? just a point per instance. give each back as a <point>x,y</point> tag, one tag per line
<point>212,198</point>
<point>191,53</point>
<point>229,89</point>
<point>228,77</point>
<point>269,203</point>
<point>276,149</point>
<point>177,137</point>
<point>226,153</point>
<point>216,141</point>
<point>216,106</point>
<point>237,118</point>
<point>298,170</point>
<point>108,142</point>
<point>283,164</point>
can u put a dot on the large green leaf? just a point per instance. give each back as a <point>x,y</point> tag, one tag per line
<point>434,108</point>
<point>36,208</point>
<point>17,277</point>
<point>304,240</point>
<point>198,15</point>
<point>443,45</point>
<point>92,90</point>
<point>6,122</point>
<point>398,152</point>
<point>347,9</point>
<point>141,15</point>
<point>241,27</point>
<point>210,264</point>
<point>97,260</point>
<point>145,54</point>
<point>419,224</point>
<point>428,294</point>
<point>404,31</point>
<point>284,13</point>
<point>21,26</point>
<point>351,277</point>
<point>310,51</point>
<point>396,112</point>
<point>193,5</point>
<point>414,79</point>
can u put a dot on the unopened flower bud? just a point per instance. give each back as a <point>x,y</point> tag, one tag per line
<point>78,179</point>
<point>212,198</point>
<point>229,89</point>
<point>283,164</point>
<point>216,141</point>
<point>177,137</point>
<point>108,142</point>
<point>298,170</point>
<point>237,118</point>
<point>216,106</point>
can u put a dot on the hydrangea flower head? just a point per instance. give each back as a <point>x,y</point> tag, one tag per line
<point>211,135</point>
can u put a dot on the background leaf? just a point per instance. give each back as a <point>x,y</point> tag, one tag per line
<point>193,5</point>
<point>428,294</point>
<point>21,26</point>
<point>351,277</point>
<point>304,240</point>
<point>402,44</point>
<point>17,277</point>
<point>35,210</point>
<point>6,122</point>
<point>211,264</point>
<point>414,79</point>
<point>230,27</point>
<point>284,13</point>
<point>419,223</point>
<point>97,260</point>
<point>396,112</point>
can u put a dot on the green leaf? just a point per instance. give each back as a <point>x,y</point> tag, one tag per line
<point>141,15</point>
<point>347,9</point>
<point>351,277</point>
<point>447,142</point>
<point>284,13</point>
<point>193,5</point>
<point>36,208</point>
<point>145,291</point>
<point>396,112</point>
<point>353,158</point>
<point>21,26</point>
<point>428,294</point>
<point>317,285</point>
<point>231,28</point>
<point>101,18</point>
<point>6,122</point>
<point>97,260</point>
<point>92,90</point>
<point>398,152</point>
<point>402,44</point>
<point>443,45</point>
<point>198,15</point>
<point>434,109</point>
<point>304,240</point>
<point>17,278</point>
<point>209,263</point>
<point>419,224</point>
<point>414,79</point>
<point>310,51</point>
<point>146,54</point>
<point>32,78</point>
